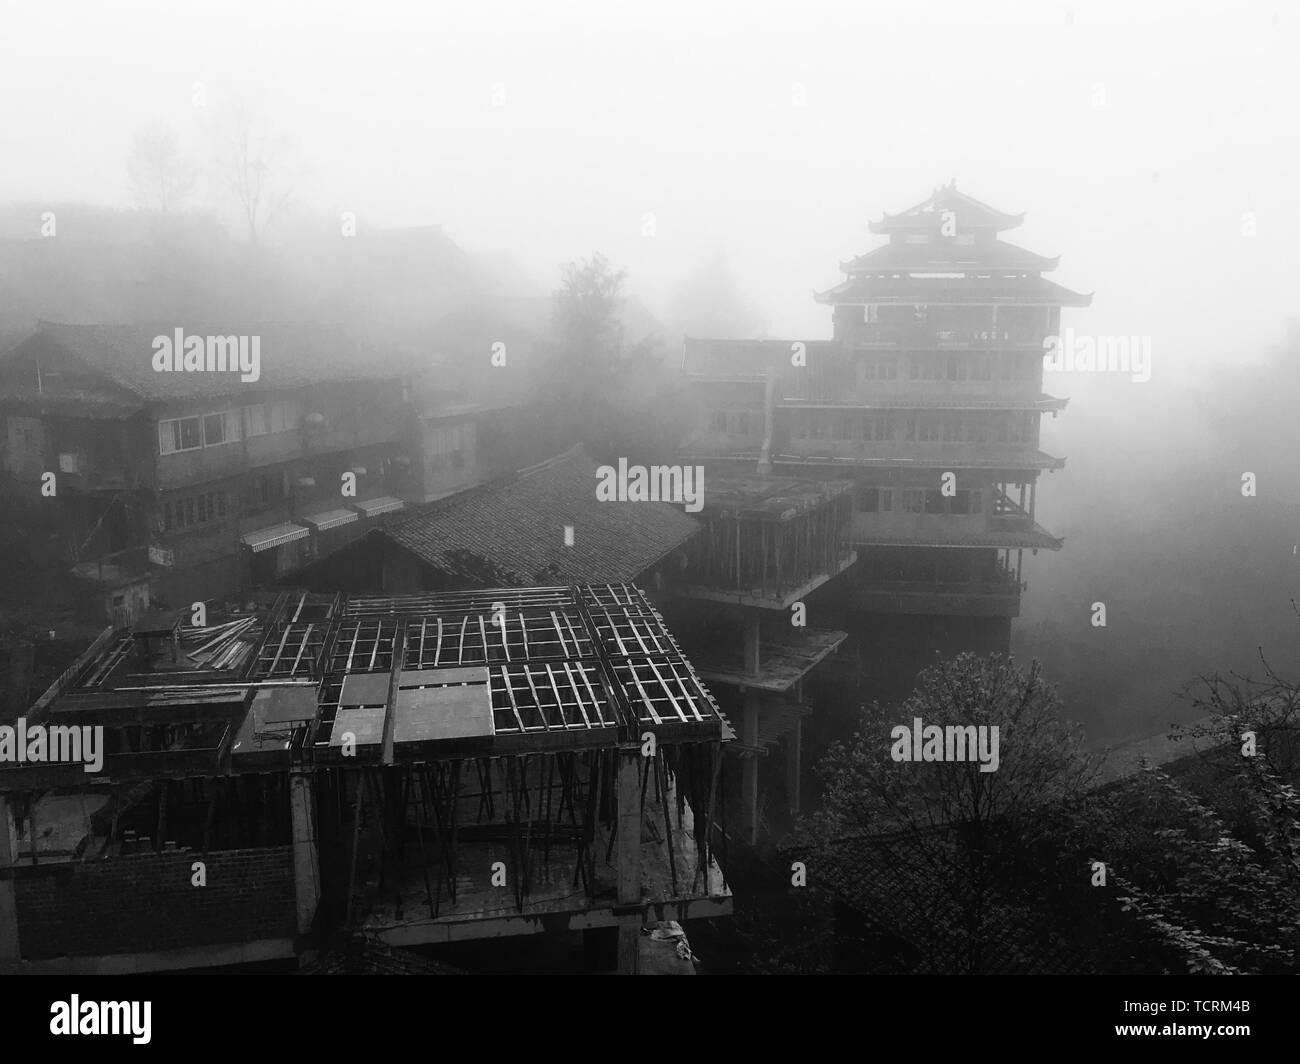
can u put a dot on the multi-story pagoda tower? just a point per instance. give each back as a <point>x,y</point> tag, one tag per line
<point>929,396</point>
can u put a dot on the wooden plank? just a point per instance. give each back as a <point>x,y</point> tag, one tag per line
<point>576,694</point>
<point>424,623</point>
<point>559,702</point>
<point>437,652</point>
<point>595,701</point>
<point>667,690</point>
<point>303,646</point>
<point>356,632</point>
<point>279,650</point>
<point>463,623</point>
<point>298,612</point>
<point>523,628</point>
<point>649,704</point>
<point>686,690</point>
<point>513,704</point>
<point>563,645</point>
<point>482,632</point>
<point>541,712</point>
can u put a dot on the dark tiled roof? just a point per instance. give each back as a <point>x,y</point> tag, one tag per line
<point>970,213</point>
<point>514,530</point>
<point>291,355</point>
<point>948,257</point>
<point>1027,291</point>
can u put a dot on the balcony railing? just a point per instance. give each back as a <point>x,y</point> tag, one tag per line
<point>884,335</point>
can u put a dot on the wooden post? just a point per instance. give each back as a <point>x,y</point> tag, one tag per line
<point>751,635</point>
<point>749,770</point>
<point>306,868</point>
<point>629,856</point>
<point>793,757</point>
<point>10,953</point>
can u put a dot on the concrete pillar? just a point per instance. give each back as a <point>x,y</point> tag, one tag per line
<point>751,659</point>
<point>793,756</point>
<point>628,854</point>
<point>9,949</point>
<point>306,859</point>
<point>749,770</point>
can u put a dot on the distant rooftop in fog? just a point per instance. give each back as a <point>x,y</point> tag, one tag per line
<point>291,355</point>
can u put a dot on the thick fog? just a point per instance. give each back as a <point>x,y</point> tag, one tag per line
<point>739,150</point>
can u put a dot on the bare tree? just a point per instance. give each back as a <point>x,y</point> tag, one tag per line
<point>161,177</point>
<point>253,158</point>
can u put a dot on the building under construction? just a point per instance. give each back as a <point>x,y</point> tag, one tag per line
<point>420,769</point>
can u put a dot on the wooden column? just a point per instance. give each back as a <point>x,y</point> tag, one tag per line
<point>749,770</point>
<point>751,659</point>
<point>9,949</point>
<point>793,757</point>
<point>628,854</point>
<point>306,866</point>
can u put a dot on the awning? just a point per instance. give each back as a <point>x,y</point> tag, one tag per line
<point>383,505</point>
<point>327,519</point>
<point>274,536</point>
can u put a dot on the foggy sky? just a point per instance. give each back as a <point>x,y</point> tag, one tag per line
<point>690,113</point>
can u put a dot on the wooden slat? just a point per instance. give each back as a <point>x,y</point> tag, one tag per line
<point>279,650</point>
<point>559,702</point>
<point>686,690</point>
<point>649,704</point>
<point>356,632</point>
<point>510,691</point>
<point>577,694</point>
<point>303,646</point>
<point>437,651</point>
<point>563,644</point>
<point>667,690</point>
<point>537,700</point>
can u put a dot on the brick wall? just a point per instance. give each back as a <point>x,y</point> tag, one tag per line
<point>145,902</point>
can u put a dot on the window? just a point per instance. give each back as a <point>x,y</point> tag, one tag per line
<point>952,430</point>
<point>934,501</point>
<point>214,429</point>
<point>203,501</point>
<point>801,424</point>
<point>927,428</point>
<point>979,370</point>
<point>257,419</point>
<point>869,502</point>
<point>961,502</point>
<point>283,415</point>
<point>167,517</point>
<point>889,369</point>
<point>914,500</point>
<point>179,434</point>
<point>719,421</point>
<point>221,504</point>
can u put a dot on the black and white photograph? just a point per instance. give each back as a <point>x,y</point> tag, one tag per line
<point>577,488</point>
